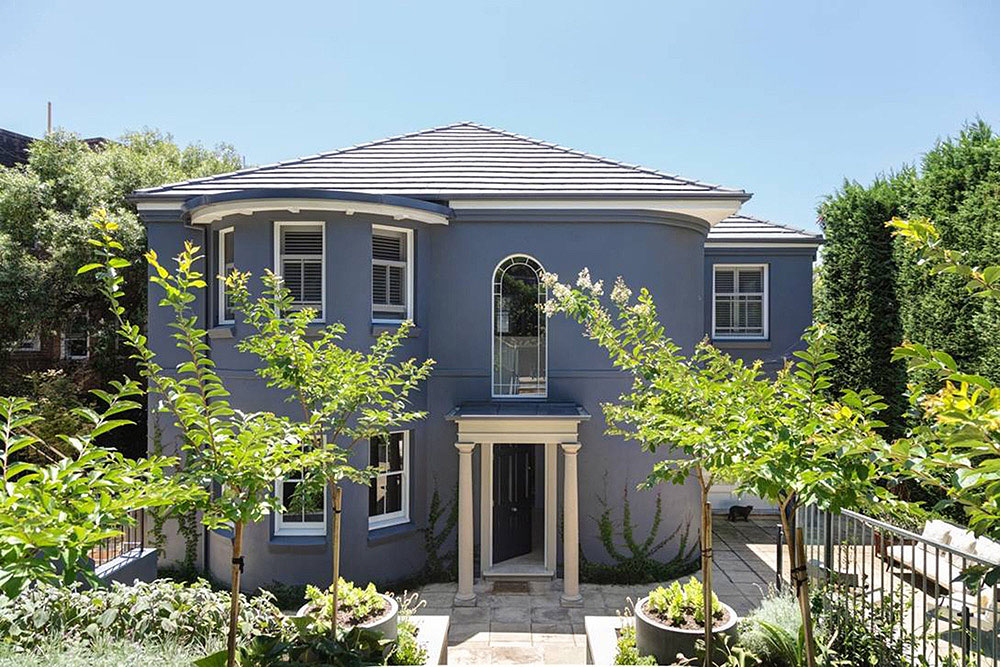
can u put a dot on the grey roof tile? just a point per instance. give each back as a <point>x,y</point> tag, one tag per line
<point>744,229</point>
<point>452,162</point>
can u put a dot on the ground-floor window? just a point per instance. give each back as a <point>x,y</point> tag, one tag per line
<point>305,510</point>
<point>389,493</point>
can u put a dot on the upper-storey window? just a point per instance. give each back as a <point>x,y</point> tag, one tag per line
<point>740,301</point>
<point>226,265</point>
<point>299,248</point>
<point>519,335</point>
<point>392,274</point>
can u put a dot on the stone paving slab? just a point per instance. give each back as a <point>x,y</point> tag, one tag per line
<point>533,628</point>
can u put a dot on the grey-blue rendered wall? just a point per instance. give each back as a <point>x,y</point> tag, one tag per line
<point>454,267</point>
<point>789,300</point>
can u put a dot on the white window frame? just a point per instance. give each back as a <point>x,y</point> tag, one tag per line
<point>492,333</point>
<point>278,224</point>
<point>221,278</point>
<point>408,233</point>
<point>403,515</point>
<point>299,528</point>
<point>765,301</point>
<point>64,350</point>
<point>34,344</point>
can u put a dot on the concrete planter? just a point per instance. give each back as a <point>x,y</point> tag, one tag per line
<point>664,642</point>
<point>386,625</point>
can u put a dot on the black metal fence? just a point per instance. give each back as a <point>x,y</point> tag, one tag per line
<point>133,536</point>
<point>885,575</point>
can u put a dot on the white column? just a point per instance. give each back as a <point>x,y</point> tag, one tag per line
<point>465,595</point>
<point>571,528</point>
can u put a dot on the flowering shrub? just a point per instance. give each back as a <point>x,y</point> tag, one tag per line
<point>161,611</point>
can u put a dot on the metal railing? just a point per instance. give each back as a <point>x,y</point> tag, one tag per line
<point>881,574</point>
<point>133,536</point>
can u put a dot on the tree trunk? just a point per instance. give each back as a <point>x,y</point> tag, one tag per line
<point>706,569</point>
<point>335,545</point>
<point>786,528</point>
<point>801,578</point>
<point>234,603</point>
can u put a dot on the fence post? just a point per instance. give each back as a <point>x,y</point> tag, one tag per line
<point>780,564</point>
<point>827,543</point>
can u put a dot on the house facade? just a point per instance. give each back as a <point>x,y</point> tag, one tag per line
<point>451,228</point>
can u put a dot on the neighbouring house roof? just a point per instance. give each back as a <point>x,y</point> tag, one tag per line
<point>13,147</point>
<point>463,160</point>
<point>743,229</point>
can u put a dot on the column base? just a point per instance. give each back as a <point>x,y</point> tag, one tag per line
<point>571,600</point>
<point>465,600</point>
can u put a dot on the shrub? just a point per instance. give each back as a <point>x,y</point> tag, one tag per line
<point>776,610</point>
<point>103,652</point>
<point>627,653</point>
<point>161,611</point>
<point>677,604</point>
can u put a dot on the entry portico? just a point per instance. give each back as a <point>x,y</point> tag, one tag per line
<point>540,429</point>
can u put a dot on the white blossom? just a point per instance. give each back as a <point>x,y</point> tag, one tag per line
<point>583,280</point>
<point>597,289</point>
<point>549,280</point>
<point>561,291</point>
<point>551,308</point>
<point>620,294</point>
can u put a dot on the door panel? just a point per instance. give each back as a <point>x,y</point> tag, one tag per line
<point>513,500</point>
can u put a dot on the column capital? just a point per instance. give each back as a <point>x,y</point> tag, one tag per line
<point>570,448</point>
<point>465,447</point>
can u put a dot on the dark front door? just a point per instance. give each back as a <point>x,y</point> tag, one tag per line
<point>513,500</point>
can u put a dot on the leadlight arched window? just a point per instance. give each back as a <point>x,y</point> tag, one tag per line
<point>519,334</point>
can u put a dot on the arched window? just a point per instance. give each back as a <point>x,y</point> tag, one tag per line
<point>519,341</point>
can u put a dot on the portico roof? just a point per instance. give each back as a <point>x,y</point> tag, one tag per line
<point>518,410</point>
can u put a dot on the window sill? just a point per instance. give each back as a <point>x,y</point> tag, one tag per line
<point>386,534</point>
<point>299,540</point>
<point>741,343</point>
<point>379,328</point>
<point>222,331</point>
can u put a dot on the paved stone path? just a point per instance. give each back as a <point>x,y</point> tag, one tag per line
<point>532,628</point>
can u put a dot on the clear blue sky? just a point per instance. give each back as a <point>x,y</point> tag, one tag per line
<point>784,99</point>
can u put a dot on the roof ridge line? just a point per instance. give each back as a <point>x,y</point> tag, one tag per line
<point>601,158</point>
<point>316,156</point>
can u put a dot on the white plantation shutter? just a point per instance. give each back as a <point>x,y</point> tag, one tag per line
<point>739,301</point>
<point>389,274</point>
<point>301,264</point>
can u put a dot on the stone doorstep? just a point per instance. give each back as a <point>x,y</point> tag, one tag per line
<point>516,655</point>
<point>602,639</point>
<point>469,634</point>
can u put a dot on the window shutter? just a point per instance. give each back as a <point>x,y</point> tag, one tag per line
<point>724,281</point>
<point>389,248</point>
<point>302,264</point>
<point>751,280</point>
<point>302,241</point>
<point>389,274</point>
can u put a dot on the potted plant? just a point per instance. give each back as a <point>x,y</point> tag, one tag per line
<point>356,608</point>
<point>670,621</point>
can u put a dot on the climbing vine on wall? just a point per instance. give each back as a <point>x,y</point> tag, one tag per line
<point>636,563</point>
<point>440,566</point>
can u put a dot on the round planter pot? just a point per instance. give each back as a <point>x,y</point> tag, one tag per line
<point>664,642</point>
<point>385,625</point>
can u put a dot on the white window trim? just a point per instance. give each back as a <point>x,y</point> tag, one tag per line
<point>35,345</point>
<point>278,224</point>
<point>221,293</point>
<point>73,357</point>
<point>765,307</point>
<point>409,275</point>
<point>403,515</point>
<point>300,528</point>
<point>493,306</point>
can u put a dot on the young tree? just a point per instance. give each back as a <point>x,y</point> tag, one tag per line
<point>349,396</point>
<point>956,447</point>
<point>53,513</point>
<point>704,407</point>
<point>233,456</point>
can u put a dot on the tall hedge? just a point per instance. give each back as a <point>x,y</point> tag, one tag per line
<point>875,294</point>
<point>859,300</point>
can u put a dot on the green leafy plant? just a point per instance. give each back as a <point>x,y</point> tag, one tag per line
<point>638,564</point>
<point>440,566</point>
<point>346,395</point>
<point>626,652</point>
<point>677,604</point>
<point>234,457</point>
<point>159,611</point>
<point>776,609</point>
<point>354,602</point>
<point>407,650</point>
<point>52,514</point>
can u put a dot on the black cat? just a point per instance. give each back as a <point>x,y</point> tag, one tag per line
<point>740,512</point>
